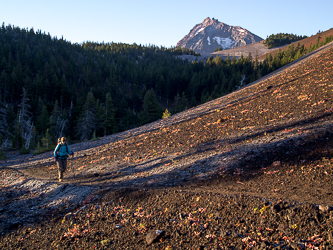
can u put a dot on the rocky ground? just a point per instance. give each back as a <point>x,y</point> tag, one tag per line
<point>249,170</point>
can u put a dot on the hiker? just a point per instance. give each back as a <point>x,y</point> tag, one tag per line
<point>61,153</point>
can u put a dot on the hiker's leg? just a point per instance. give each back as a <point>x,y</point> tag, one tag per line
<point>60,168</point>
<point>64,165</point>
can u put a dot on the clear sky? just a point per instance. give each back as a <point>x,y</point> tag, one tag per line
<point>162,23</point>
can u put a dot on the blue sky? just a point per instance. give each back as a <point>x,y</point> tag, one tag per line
<point>162,23</point>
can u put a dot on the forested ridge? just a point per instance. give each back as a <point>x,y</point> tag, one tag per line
<point>50,87</point>
<point>280,39</point>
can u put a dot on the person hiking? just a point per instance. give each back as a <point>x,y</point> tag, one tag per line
<point>61,153</point>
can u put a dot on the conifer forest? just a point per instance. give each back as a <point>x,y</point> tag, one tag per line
<point>50,87</point>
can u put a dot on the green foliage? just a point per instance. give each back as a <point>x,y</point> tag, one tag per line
<point>46,140</point>
<point>2,155</point>
<point>23,150</point>
<point>180,103</point>
<point>292,53</point>
<point>281,39</point>
<point>151,108</point>
<point>76,89</point>
<point>166,114</point>
<point>88,121</point>
<point>108,119</point>
<point>325,40</point>
<point>93,137</point>
<point>47,144</point>
<point>17,140</point>
<point>40,150</point>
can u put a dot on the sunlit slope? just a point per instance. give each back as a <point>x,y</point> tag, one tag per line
<point>286,105</point>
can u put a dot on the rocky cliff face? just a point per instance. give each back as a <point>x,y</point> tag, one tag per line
<point>212,34</point>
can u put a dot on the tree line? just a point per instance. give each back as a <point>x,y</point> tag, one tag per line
<point>280,39</point>
<point>50,87</point>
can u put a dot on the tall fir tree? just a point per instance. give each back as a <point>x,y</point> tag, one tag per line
<point>24,120</point>
<point>109,118</point>
<point>54,120</point>
<point>152,110</point>
<point>3,123</point>
<point>88,120</point>
<point>43,121</point>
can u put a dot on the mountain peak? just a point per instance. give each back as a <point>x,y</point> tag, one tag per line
<point>211,34</point>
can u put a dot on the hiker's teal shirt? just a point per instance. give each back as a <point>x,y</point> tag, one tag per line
<point>62,151</point>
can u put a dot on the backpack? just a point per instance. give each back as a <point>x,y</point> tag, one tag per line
<point>61,145</point>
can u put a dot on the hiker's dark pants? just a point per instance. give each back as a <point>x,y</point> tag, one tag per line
<point>62,165</point>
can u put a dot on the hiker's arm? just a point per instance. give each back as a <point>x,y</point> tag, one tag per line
<point>69,151</point>
<point>55,151</point>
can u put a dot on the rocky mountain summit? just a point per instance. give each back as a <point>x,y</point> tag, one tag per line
<point>211,34</point>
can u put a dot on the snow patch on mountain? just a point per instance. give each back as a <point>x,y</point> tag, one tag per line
<point>208,39</point>
<point>196,33</point>
<point>225,43</point>
<point>241,30</point>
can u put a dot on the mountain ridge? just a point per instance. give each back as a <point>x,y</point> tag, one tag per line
<point>211,34</point>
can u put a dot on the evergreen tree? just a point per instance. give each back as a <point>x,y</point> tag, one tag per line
<point>43,120</point>
<point>185,103</point>
<point>109,118</point>
<point>217,61</point>
<point>256,62</point>
<point>151,108</point>
<point>11,117</point>
<point>177,104</point>
<point>88,120</point>
<point>57,123</point>
<point>129,120</point>
<point>228,60</point>
<point>46,140</point>
<point>3,123</point>
<point>25,123</point>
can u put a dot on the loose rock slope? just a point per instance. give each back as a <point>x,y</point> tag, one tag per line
<point>252,169</point>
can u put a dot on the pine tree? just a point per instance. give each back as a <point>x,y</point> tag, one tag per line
<point>177,104</point>
<point>100,113</point>
<point>88,120</point>
<point>185,104</point>
<point>57,123</point>
<point>109,120</point>
<point>151,108</point>
<point>128,121</point>
<point>25,123</point>
<point>217,61</point>
<point>46,140</point>
<point>43,118</point>
<point>256,62</point>
<point>3,123</point>
<point>228,60</point>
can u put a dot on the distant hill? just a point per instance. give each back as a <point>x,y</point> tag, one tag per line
<point>262,50</point>
<point>306,42</point>
<point>211,34</point>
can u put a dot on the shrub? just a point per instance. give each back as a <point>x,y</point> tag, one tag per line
<point>166,114</point>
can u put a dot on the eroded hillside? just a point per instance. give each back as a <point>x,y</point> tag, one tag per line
<point>271,140</point>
